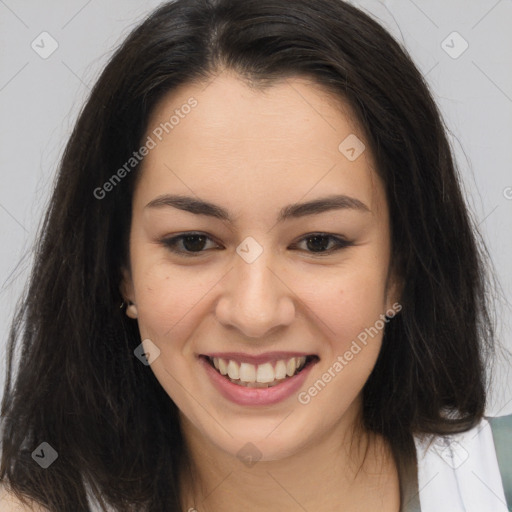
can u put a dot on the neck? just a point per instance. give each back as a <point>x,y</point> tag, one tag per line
<point>347,466</point>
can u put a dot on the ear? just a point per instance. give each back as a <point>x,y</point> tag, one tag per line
<point>128,293</point>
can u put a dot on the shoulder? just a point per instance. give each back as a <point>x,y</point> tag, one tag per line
<point>10,503</point>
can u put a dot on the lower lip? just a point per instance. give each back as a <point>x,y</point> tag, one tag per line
<point>256,396</point>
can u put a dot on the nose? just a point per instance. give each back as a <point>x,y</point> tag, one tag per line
<point>256,299</point>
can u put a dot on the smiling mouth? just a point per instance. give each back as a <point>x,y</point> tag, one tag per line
<point>264,375</point>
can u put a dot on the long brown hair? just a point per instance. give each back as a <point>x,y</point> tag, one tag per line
<point>78,385</point>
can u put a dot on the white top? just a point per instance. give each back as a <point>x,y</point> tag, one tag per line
<point>460,473</point>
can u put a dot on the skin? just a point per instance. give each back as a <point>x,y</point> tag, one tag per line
<point>9,502</point>
<point>254,152</point>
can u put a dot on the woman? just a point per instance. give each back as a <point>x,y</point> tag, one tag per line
<point>267,191</point>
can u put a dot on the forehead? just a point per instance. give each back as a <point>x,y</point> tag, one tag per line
<point>225,138</point>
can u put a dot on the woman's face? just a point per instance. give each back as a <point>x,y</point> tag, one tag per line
<point>254,288</point>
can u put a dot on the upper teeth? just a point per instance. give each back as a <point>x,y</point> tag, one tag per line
<point>263,373</point>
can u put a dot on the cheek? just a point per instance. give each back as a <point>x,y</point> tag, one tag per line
<point>358,306</point>
<point>169,309</point>
<point>345,302</point>
<point>174,305</point>
<point>165,299</point>
<point>352,327</point>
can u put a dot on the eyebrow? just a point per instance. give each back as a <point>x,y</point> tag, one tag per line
<point>291,211</point>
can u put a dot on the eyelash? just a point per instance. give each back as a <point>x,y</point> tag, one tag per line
<point>170,243</point>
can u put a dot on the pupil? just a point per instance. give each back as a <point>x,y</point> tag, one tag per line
<point>191,243</point>
<point>316,245</point>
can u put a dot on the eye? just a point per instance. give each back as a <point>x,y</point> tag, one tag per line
<point>318,243</point>
<point>193,244</point>
<point>187,244</point>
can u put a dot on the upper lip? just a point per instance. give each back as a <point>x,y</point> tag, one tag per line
<point>265,357</point>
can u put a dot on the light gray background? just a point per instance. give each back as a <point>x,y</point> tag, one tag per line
<point>40,99</point>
